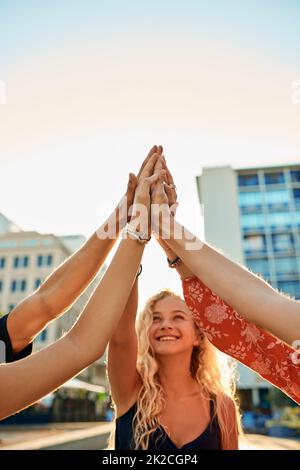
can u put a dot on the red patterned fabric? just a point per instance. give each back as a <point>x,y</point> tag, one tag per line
<point>271,358</point>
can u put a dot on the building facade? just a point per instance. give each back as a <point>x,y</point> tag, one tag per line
<point>253,216</point>
<point>26,260</point>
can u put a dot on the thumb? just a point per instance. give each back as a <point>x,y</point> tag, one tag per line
<point>157,177</point>
<point>132,182</point>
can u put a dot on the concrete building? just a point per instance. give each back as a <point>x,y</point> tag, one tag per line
<point>26,260</point>
<point>253,216</point>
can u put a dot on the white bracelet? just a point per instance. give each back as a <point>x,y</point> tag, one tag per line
<point>130,232</point>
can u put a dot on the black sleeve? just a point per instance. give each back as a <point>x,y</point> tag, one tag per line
<point>6,350</point>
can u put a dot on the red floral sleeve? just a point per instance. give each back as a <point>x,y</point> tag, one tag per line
<point>229,332</point>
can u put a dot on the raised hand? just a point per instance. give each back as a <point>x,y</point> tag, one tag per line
<point>126,202</point>
<point>134,180</point>
<point>170,189</point>
<point>140,213</point>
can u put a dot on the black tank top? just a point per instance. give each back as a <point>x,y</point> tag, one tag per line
<point>159,439</point>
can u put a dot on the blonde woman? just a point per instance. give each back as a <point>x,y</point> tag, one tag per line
<point>166,383</point>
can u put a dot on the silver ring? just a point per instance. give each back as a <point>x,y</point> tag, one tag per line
<point>172,186</point>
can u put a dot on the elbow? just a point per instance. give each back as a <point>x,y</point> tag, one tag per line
<point>47,306</point>
<point>85,352</point>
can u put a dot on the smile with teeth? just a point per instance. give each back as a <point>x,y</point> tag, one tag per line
<point>167,338</point>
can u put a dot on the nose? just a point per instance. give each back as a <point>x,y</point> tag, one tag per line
<point>166,325</point>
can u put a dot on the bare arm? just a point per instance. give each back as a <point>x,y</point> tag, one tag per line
<point>232,424</point>
<point>25,381</point>
<point>122,356</point>
<point>69,280</point>
<point>252,297</point>
<point>183,271</point>
<point>124,379</point>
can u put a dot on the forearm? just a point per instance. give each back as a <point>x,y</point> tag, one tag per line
<point>102,314</point>
<point>60,290</point>
<point>255,347</point>
<point>24,382</point>
<point>252,297</point>
<point>69,280</point>
<point>126,326</point>
<point>183,271</point>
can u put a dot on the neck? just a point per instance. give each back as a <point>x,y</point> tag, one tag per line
<point>175,376</point>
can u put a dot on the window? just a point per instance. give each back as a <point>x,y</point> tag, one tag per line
<point>290,287</point>
<point>254,243</point>
<point>11,307</point>
<point>281,197</point>
<point>283,242</point>
<point>279,219</point>
<point>295,175</point>
<point>259,266</point>
<point>44,260</point>
<point>296,194</point>
<point>2,263</point>
<point>248,180</point>
<point>21,262</point>
<point>274,177</point>
<point>37,283</point>
<point>252,221</point>
<point>250,199</point>
<point>23,285</point>
<point>1,286</point>
<point>18,285</point>
<point>29,243</point>
<point>47,242</point>
<point>8,244</point>
<point>286,266</point>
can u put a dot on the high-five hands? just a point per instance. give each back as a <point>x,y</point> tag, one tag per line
<point>150,174</point>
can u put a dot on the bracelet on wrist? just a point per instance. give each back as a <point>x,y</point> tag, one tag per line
<point>132,233</point>
<point>140,271</point>
<point>174,263</point>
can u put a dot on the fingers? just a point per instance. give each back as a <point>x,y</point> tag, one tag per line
<point>169,174</point>
<point>155,149</point>
<point>132,181</point>
<point>148,169</point>
<point>171,193</point>
<point>155,178</point>
<point>159,165</point>
<point>160,150</point>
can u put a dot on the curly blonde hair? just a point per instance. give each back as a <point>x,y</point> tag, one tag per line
<point>206,366</point>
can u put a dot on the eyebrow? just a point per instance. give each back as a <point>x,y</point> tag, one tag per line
<point>172,311</point>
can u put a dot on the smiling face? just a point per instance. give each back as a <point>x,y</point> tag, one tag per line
<point>172,330</point>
